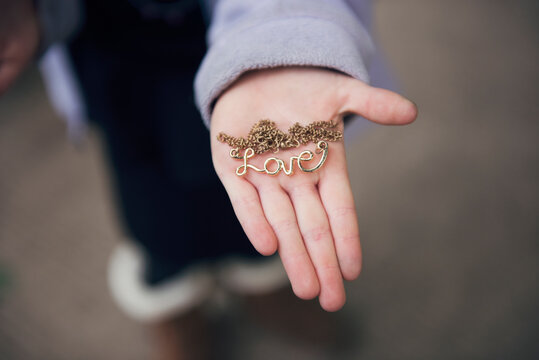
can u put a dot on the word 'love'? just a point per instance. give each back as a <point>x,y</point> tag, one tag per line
<point>280,164</point>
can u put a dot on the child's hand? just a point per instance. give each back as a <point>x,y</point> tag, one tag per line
<point>309,218</point>
<point>19,38</point>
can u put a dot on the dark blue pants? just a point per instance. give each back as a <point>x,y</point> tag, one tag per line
<point>170,198</point>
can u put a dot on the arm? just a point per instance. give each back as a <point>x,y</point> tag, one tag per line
<point>272,60</point>
<point>247,35</point>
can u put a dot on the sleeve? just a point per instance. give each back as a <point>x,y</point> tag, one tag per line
<point>246,35</point>
<point>58,20</point>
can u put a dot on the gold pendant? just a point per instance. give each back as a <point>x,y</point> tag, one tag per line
<point>306,155</point>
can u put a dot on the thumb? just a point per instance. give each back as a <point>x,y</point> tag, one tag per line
<point>378,105</point>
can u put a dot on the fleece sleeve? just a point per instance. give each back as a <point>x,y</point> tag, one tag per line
<point>246,35</point>
<point>58,20</point>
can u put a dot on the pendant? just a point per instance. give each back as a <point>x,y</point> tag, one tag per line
<point>273,165</point>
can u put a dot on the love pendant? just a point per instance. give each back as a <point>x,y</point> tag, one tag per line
<point>265,137</point>
<point>272,165</point>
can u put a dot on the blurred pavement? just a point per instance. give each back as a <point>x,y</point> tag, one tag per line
<point>448,208</point>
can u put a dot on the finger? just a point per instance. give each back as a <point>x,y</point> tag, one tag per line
<point>338,201</point>
<point>296,261</point>
<point>246,204</point>
<point>378,105</point>
<point>316,233</point>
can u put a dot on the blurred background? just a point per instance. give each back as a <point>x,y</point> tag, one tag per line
<point>448,208</point>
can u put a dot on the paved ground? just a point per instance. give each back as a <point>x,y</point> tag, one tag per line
<point>448,209</point>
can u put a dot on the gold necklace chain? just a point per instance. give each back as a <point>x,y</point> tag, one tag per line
<point>264,136</point>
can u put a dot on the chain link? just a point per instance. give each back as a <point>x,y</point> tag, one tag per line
<point>265,137</point>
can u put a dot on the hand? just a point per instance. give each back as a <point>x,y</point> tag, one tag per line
<point>19,39</point>
<point>309,218</point>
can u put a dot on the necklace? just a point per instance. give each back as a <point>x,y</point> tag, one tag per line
<point>265,137</point>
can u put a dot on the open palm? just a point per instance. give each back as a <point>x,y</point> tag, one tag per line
<point>309,218</point>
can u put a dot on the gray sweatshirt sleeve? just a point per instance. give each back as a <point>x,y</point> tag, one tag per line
<point>58,20</point>
<point>246,35</point>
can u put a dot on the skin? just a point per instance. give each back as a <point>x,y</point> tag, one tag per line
<point>309,218</point>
